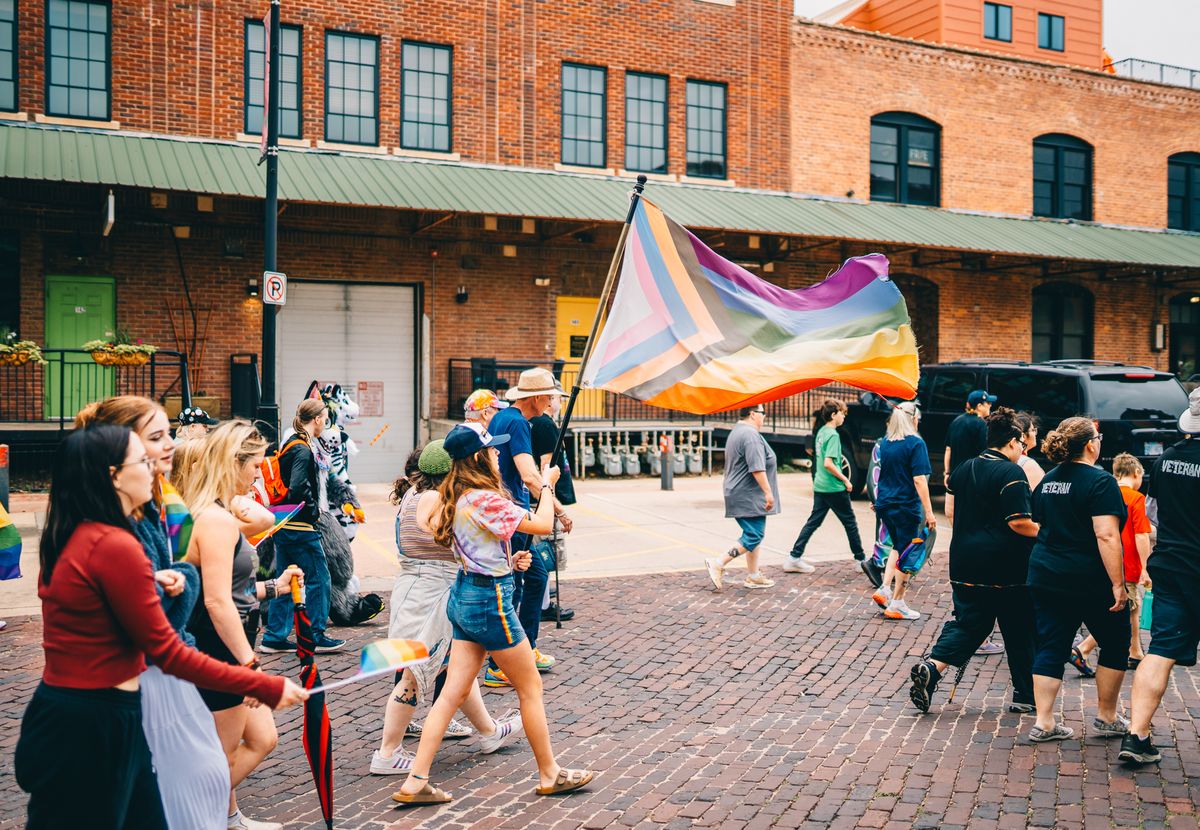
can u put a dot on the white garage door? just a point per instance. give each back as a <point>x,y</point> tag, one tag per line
<point>363,337</point>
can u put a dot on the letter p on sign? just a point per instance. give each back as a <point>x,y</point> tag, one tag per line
<point>274,288</point>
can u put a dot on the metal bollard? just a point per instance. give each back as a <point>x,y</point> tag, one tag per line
<point>4,476</point>
<point>666,467</point>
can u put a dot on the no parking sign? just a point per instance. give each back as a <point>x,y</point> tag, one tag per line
<point>274,287</point>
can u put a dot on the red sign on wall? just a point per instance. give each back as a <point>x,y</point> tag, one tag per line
<point>370,399</point>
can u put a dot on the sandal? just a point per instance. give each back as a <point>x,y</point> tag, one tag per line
<point>428,794</point>
<point>568,780</point>
<point>1081,664</point>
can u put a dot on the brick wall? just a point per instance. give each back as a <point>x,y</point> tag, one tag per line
<point>990,109</point>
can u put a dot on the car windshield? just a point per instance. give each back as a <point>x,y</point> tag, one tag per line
<point>1118,396</point>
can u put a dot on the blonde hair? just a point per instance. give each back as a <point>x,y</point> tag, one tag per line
<point>903,421</point>
<point>475,472</point>
<point>187,456</point>
<point>1127,466</point>
<point>1068,440</point>
<point>213,477</point>
<point>131,411</point>
<point>307,412</point>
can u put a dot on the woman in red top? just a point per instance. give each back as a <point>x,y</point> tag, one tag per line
<point>101,618</point>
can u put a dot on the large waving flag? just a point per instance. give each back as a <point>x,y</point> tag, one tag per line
<point>10,547</point>
<point>692,331</point>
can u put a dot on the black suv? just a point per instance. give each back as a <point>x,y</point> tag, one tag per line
<point>1136,408</point>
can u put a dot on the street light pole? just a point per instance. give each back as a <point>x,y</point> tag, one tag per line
<point>268,407</point>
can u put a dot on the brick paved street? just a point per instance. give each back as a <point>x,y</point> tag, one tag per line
<point>781,708</point>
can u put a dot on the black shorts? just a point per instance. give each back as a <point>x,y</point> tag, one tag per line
<point>1174,621</point>
<point>210,643</point>
<point>1058,615</point>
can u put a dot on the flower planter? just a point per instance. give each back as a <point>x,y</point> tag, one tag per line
<point>107,358</point>
<point>15,358</point>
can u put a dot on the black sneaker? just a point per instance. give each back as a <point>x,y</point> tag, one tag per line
<point>277,646</point>
<point>548,614</point>
<point>925,677</point>
<point>1135,750</point>
<point>872,571</point>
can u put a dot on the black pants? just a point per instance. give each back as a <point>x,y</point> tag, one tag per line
<point>976,611</point>
<point>1058,616</point>
<point>83,759</point>
<point>839,503</point>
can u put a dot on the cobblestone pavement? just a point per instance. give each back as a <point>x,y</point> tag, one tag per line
<point>746,709</point>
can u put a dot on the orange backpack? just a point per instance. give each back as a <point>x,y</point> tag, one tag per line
<point>274,484</point>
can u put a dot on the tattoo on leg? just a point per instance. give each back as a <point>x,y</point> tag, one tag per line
<point>410,700</point>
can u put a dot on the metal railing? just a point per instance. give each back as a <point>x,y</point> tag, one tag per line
<point>793,413</point>
<point>35,394</point>
<point>1163,73</point>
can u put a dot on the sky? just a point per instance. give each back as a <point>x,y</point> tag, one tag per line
<point>1166,31</point>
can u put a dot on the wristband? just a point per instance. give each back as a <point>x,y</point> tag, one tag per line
<point>270,589</point>
<point>252,664</point>
<point>547,487</point>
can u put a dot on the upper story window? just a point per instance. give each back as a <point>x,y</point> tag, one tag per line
<point>645,122</point>
<point>904,159</point>
<point>425,96</point>
<point>1062,177</point>
<point>351,88</point>
<point>1183,191</point>
<point>8,55</point>
<point>1050,32</point>
<point>584,119</point>
<point>78,59</point>
<point>706,145</point>
<point>997,22</point>
<point>290,83</point>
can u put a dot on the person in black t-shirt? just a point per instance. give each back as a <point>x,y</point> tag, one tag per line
<point>1173,498</point>
<point>989,557</point>
<point>1077,575</point>
<point>967,435</point>
<point>544,438</point>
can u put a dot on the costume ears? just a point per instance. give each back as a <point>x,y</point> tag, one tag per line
<point>314,391</point>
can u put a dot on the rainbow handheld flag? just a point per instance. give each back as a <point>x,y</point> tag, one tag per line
<point>283,514</point>
<point>380,657</point>
<point>176,518</point>
<point>689,330</point>
<point>10,547</point>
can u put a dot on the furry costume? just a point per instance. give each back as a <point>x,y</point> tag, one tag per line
<point>340,448</point>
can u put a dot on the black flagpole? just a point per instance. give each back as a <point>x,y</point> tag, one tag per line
<point>268,406</point>
<point>587,353</point>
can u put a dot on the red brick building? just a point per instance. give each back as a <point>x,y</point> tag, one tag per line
<point>453,179</point>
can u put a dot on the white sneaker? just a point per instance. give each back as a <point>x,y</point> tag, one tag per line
<point>899,610</point>
<point>796,565</point>
<point>716,573</point>
<point>457,731</point>
<point>237,821</point>
<point>508,729</point>
<point>757,580</point>
<point>399,764</point>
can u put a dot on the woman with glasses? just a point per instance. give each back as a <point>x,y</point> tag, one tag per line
<point>751,494</point>
<point>1077,575</point>
<point>82,755</point>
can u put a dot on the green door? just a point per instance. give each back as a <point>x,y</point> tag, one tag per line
<point>78,309</point>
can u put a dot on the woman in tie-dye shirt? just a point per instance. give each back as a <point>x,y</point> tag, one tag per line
<point>477,520</point>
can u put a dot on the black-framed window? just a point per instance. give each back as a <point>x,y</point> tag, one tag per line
<point>1051,32</point>
<point>351,88</point>
<point>425,96</point>
<point>1184,334</point>
<point>584,114</point>
<point>291,83</point>
<point>78,59</point>
<point>1183,191</point>
<point>1062,322</point>
<point>997,22</point>
<point>8,55</point>
<point>645,122</point>
<point>706,129</point>
<point>10,282</point>
<point>1062,177</point>
<point>905,164</point>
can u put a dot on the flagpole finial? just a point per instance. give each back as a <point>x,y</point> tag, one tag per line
<point>641,184</point>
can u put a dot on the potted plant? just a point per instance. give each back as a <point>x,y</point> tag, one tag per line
<point>122,350</point>
<point>14,352</point>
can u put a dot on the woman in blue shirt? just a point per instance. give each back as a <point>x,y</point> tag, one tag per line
<point>902,502</point>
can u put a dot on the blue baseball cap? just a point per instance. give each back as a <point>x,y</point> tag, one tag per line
<point>979,396</point>
<point>463,442</point>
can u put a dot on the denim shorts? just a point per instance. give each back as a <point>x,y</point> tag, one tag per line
<point>481,611</point>
<point>754,528</point>
<point>1174,620</point>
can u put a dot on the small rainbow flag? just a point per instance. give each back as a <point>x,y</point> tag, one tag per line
<point>176,518</point>
<point>283,514</point>
<point>10,547</point>
<point>692,331</point>
<point>380,657</point>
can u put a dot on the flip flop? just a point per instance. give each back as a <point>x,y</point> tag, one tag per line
<point>568,780</point>
<point>426,795</point>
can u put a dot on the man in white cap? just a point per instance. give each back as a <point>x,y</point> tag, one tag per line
<point>1173,494</point>
<point>519,471</point>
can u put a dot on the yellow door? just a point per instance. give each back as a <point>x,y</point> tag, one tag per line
<point>574,323</point>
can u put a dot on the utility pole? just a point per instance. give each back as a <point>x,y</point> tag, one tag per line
<point>268,407</point>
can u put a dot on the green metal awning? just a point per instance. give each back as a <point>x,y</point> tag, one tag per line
<point>226,169</point>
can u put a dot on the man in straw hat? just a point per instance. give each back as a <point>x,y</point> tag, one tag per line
<point>1173,494</point>
<point>519,471</point>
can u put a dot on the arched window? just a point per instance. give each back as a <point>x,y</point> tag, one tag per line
<point>1062,322</point>
<point>1183,191</point>
<point>1185,334</point>
<point>921,297</point>
<point>905,159</point>
<point>1062,177</point>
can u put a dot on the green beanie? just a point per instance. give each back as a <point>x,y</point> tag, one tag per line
<point>434,460</point>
